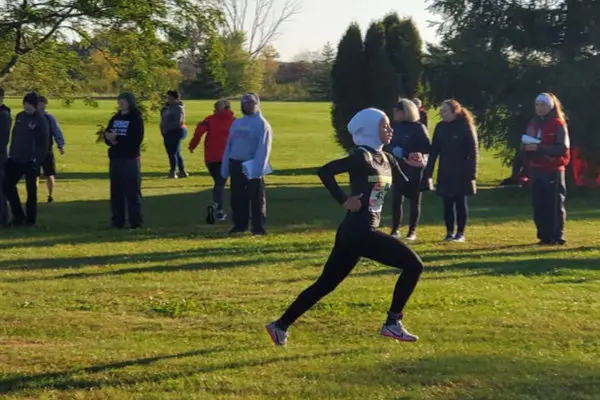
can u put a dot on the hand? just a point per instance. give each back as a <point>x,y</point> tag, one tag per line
<point>415,160</point>
<point>191,151</point>
<point>530,147</point>
<point>61,151</point>
<point>353,204</point>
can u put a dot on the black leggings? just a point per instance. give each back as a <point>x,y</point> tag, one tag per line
<point>456,210</point>
<point>346,253</point>
<point>415,211</point>
<point>218,192</point>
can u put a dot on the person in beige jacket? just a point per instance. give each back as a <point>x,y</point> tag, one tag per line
<point>173,129</point>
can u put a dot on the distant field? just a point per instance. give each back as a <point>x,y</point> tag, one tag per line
<point>176,311</point>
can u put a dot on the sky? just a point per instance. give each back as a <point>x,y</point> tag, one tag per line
<point>321,21</point>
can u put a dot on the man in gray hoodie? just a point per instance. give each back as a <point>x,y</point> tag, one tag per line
<point>5,123</point>
<point>28,150</point>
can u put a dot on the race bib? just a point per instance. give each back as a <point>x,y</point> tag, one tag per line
<point>378,196</point>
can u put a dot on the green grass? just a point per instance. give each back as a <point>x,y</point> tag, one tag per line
<point>176,311</point>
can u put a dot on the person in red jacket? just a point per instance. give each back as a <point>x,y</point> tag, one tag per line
<point>216,127</point>
<point>546,162</point>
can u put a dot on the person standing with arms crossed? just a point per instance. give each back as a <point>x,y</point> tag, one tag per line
<point>216,127</point>
<point>246,159</point>
<point>5,125</point>
<point>371,171</point>
<point>56,135</point>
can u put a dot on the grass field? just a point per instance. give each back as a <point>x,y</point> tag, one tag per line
<point>176,311</point>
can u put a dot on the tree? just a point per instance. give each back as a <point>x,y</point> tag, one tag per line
<point>267,18</point>
<point>348,91</point>
<point>144,32</point>
<point>211,77</point>
<point>243,73</point>
<point>379,74</point>
<point>269,58</point>
<point>321,86</point>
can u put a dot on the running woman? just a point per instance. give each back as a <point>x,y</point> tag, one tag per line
<point>371,173</point>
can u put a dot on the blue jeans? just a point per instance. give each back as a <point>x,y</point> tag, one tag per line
<point>172,142</point>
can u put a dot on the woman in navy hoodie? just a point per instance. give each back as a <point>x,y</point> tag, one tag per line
<point>124,135</point>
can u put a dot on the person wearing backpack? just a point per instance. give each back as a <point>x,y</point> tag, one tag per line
<point>410,145</point>
<point>371,171</point>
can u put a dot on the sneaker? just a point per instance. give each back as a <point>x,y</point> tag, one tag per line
<point>561,242</point>
<point>411,237</point>
<point>449,237</point>
<point>261,232</point>
<point>459,238</point>
<point>183,174</point>
<point>398,331</point>
<point>221,216</point>
<point>278,335</point>
<point>210,215</point>
<point>236,231</point>
<point>50,199</point>
<point>395,234</point>
<point>173,175</point>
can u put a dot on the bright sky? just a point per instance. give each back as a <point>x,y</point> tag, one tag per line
<point>321,21</point>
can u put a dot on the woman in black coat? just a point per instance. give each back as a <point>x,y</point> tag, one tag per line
<point>410,145</point>
<point>455,143</point>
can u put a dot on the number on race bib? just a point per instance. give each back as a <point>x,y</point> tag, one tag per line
<point>377,197</point>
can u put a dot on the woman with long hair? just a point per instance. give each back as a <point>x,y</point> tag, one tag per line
<point>371,173</point>
<point>455,144</point>
<point>410,145</point>
<point>546,159</point>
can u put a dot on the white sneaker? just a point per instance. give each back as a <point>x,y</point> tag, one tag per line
<point>278,335</point>
<point>395,234</point>
<point>221,216</point>
<point>411,237</point>
<point>398,332</point>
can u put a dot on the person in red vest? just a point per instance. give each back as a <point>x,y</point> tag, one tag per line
<point>216,127</point>
<point>546,162</point>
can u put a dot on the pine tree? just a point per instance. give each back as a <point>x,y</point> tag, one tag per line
<point>347,77</point>
<point>321,87</point>
<point>379,75</point>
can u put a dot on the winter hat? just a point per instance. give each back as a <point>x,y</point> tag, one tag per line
<point>31,98</point>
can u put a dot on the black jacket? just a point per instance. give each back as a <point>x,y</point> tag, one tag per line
<point>5,124</point>
<point>30,136</point>
<point>455,144</point>
<point>130,134</point>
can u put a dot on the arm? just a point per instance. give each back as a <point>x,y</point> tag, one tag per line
<point>261,157</point>
<point>561,145</point>
<point>473,152</point>
<point>434,152</point>
<point>58,134</point>
<point>420,145</point>
<point>328,172</point>
<point>5,122</point>
<point>201,129</point>
<point>225,161</point>
<point>398,176</point>
<point>42,140</point>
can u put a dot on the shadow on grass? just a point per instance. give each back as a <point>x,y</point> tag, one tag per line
<point>68,380</point>
<point>454,377</point>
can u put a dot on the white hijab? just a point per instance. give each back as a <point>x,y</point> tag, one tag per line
<point>364,127</point>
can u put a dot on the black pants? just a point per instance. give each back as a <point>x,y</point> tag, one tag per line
<point>397,212</point>
<point>173,147</point>
<point>549,192</point>
<point>3,202</point>
<point>456,212</point>
<point>126,191</point>
<point>349,247</point>
<point>13,174</point>
<point>248,199</point>
<point>218,193</point>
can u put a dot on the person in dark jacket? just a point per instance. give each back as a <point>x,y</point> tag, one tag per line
<point>422,113</point>
<point>173,129</point>
<point>124,135</point>
<point>455,144</point>
<point>246,159</point>
<point>546,163</point>
<point>410,145</point>
<point>216,127</point>
<point>28,150</point>
<point>56,135</point>
<point>5,125</point>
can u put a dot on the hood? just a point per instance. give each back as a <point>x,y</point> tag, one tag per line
<point>364,128</point>
<point>250,97</point>
<point>224,114</point>
<point>130,99</point>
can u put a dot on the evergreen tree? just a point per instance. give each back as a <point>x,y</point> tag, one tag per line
<point>321,87</point>
<point>404,50</point>
<point>347,76</point>
<point>380,91</point>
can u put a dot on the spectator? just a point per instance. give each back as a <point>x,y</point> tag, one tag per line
<point>422,112</point>
<point>5,125</point>
<point>173,129</point>
<point>56,135</point>
<point>455,143</point>
<point>216,127</point>
<point>124,135</point>
<point>28,150</point>
<point>546,163</point>
<point>246,158</point>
